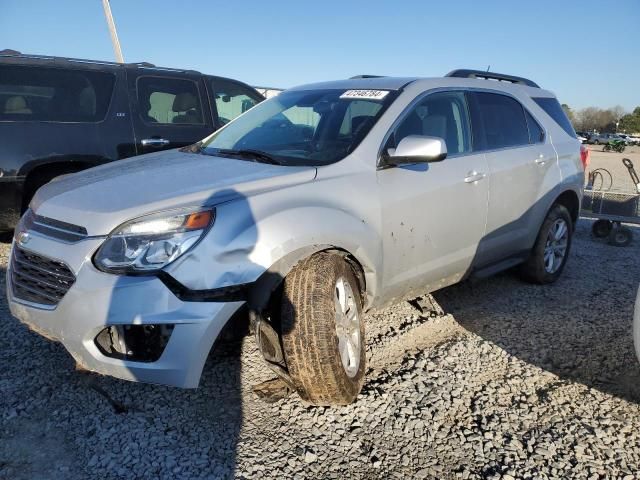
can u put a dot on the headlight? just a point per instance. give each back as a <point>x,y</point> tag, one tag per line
<point>149,243</point>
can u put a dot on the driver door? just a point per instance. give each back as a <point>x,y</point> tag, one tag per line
<point>433,214</point>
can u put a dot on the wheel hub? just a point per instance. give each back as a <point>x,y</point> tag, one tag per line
<point>347,327</point>
<point>555,247</point>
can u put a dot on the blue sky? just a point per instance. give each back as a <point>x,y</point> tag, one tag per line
<point>586,59</point>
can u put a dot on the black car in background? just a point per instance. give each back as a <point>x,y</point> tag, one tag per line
<point>63,115</point>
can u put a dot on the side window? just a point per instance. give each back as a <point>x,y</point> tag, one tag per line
<point>503,120</point>
<point>536,134</point>
<point>441,115</point>
<point>54,94</point>
<point>169,101</point>
<point>232,99</point>
<point>555,111</point>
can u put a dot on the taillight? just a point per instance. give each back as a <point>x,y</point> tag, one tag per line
<point>584,156</point>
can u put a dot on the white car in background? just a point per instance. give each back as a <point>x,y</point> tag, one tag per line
<point>633,140</point>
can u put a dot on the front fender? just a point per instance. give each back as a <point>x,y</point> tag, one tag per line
<point>240,247</point>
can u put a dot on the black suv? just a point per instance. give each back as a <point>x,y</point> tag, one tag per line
<point>63,115</point>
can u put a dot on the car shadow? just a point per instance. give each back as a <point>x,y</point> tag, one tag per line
<point>579,328</point>
<point>214,411</point>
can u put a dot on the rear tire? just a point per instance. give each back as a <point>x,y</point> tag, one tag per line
<point>551,250</point>
<point>323,331</point>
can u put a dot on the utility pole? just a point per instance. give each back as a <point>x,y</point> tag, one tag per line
<point>112,30</point>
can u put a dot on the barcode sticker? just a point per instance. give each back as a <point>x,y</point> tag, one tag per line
<point>364,94</point>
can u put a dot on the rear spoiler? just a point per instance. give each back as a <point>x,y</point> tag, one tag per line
<point>465,73</point>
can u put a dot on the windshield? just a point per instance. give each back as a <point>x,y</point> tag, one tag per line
<point>308,127</point>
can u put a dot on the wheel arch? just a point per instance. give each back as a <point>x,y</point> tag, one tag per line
<point>260,294</point>
<point>570,200</point>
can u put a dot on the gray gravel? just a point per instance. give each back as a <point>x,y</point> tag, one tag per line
<point>508,381</point>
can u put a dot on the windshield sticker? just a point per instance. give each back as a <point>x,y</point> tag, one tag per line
<point>364,94</point>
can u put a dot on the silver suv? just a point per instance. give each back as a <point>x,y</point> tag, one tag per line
<point>308,210</point>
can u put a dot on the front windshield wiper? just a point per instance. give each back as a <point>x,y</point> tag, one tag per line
<point>256,155</point>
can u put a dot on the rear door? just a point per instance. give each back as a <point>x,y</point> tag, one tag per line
<point>169,110</point>
<point>74,115</point>
<point>519,157</point>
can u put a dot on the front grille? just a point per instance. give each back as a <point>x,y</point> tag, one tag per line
<point>38,279</point>
<point>67,232</point>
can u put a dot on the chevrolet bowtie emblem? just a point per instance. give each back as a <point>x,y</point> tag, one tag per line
<point>23,238</point>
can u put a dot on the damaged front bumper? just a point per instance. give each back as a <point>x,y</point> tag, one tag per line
<point>134,328</point>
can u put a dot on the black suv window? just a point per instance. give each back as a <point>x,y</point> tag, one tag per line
<point>536,134</point>
<point>502,119</point>
<point>555,111</point>
<point>441,115</point>
<point>232,99</point>
<point>169,101</point>
<point>53,94</point>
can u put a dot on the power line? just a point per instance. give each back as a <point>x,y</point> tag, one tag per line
<point>112,30</point>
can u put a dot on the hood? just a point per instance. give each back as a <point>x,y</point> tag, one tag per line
<point>102,198</point>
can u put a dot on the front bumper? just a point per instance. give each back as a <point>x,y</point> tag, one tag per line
<point>98,299</point>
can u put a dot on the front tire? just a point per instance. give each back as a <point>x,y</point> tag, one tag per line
<point>323,330</point>
<point>551,250</point>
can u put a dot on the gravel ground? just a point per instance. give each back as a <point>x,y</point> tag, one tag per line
<point>491,379</point>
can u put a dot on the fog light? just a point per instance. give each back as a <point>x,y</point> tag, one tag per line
<point>138,343</point>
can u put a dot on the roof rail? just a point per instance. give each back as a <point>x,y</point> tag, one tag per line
<point>146,65</point>
<point>465,73</point>
<point>365,76</point>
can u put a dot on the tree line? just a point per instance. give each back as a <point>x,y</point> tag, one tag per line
<point>604,119</point>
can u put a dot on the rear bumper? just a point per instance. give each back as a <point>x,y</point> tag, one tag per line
<point>97,300</point>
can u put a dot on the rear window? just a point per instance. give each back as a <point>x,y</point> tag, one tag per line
<point>554,110</point>
<point>169,100</point>
<point>53,94</point>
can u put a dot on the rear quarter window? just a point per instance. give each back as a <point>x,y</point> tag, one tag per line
<point>554,110</point>
<point>54,94</point>
<point>536,134</point>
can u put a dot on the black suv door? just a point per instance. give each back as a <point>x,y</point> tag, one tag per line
<point>169,109</point>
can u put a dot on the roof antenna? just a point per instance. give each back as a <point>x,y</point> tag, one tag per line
<point>488,67</point>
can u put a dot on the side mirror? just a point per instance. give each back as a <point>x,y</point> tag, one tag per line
<point>417,148</point>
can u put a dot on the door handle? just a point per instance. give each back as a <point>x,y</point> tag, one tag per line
<point>473,177</point>
<point>541,160</point>
<point>154,142</point>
